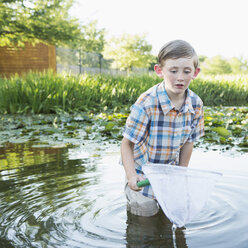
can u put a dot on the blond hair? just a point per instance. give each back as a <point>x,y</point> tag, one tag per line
<point>177,49</point>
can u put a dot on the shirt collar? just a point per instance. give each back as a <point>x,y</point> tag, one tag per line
<point>188,103</point>
<point>166,103</point>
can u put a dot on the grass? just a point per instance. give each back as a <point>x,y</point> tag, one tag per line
<point>49,93</point>
<point>228,90</point>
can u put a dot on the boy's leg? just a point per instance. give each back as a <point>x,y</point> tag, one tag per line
<point>140,205</point>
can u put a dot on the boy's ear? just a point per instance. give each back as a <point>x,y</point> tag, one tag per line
<point>197,70</point>
<point>158,71</point>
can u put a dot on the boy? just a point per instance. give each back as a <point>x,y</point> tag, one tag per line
<point>163,123</point>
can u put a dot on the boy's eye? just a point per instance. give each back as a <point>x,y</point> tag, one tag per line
<point>187,72</point>
<point>173,71</point>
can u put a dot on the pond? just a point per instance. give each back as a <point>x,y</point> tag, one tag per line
<point>61,184</point>
<point>52,196</point>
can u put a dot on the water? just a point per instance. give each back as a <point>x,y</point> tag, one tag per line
<point>60,197</point>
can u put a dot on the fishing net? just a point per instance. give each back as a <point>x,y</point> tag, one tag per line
<point>180,191</point>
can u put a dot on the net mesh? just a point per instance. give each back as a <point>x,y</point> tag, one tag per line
<point>180,191</point>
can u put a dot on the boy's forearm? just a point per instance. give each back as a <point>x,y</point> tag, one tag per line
<point>127,158</point>
<point>185,153</point>
<point>128,163</point>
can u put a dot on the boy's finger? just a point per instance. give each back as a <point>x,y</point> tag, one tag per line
<point>133,186</point>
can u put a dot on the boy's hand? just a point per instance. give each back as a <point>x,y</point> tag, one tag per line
<point>132,182</point>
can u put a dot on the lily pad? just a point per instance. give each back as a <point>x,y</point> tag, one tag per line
<point>243,144</point>
<point>109,126</point>
<point>222,131</point>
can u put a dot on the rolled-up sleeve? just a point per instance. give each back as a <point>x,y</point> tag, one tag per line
<point>137,124</point>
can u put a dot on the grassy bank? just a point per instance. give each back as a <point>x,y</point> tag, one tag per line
<point>48,93</point>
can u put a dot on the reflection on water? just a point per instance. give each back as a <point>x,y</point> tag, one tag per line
<point>19,155</point>
<point>60,197</point>
<point>155,231</point>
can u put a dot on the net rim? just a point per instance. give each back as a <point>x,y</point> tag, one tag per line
<point>178,169</point>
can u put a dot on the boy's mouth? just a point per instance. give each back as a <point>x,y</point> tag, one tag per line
<point>179,85</point>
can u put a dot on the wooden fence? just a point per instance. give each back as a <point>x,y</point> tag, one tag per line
<point>32,58</point>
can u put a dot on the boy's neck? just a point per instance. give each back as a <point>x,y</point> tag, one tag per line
<point>177,99</point>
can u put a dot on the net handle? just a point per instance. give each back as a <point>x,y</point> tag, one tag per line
<point>143,183</point>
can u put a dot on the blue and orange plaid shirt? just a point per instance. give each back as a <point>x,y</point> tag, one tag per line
<point>159,131</point>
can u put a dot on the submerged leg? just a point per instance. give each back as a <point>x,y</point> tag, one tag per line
<point>140,205</point>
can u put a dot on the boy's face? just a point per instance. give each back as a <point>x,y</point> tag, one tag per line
<point>177,74</point>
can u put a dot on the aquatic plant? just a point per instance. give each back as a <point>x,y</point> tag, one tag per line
<point>225,128</point>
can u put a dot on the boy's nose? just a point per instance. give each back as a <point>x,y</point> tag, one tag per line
<point>180,77</point>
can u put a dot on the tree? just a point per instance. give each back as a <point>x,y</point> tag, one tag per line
<point>216,65</point>
<point>87,51</point>
<point>37,20</point>
<point>238,65</point>
<point>129,51</point>
<point>91,45</point>
<point>93,39</point>
<point>153,62</point>
<point>202,58</point>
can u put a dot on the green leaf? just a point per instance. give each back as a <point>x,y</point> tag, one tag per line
<point>109,126</point>
<point>222,131</point>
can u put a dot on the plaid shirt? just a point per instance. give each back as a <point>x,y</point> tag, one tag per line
<point>159,131</point>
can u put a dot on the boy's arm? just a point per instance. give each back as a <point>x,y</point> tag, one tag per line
<point>128,163</point>
<point>185,153</point>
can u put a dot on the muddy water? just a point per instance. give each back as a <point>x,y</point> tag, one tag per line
<point>61,197</point>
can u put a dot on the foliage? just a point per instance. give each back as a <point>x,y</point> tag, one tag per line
<point>49,93</point>
<point>87,51</point>
<point>202,58</point>
<point>76,57</point>
<point>225,128</point>
<point>67,56</point>
<point>93,38</point>
<point>218,65</point>
<point>225,90</point>
<point>37,20</point>
<point>129,51</point>
<point>238,65</point>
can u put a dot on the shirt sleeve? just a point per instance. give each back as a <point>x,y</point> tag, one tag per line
<point>137,124</point>
<point>198,126</point>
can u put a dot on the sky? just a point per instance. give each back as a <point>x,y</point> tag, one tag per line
<point>212,27</point>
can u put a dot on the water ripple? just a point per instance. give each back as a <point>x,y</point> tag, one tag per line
<point>78,203</point>
<point>224,217</point>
